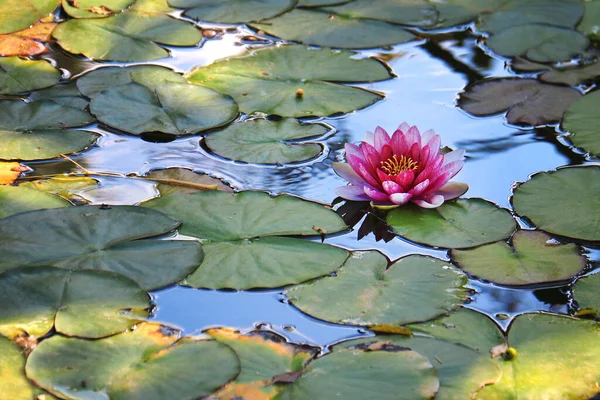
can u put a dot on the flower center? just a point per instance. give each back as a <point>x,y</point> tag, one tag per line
<point>394,165</point>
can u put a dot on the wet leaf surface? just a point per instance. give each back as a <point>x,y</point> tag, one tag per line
<point>67,187</point>
<point>582,121</point>
<point>233,11</point>
<point>181,180</point>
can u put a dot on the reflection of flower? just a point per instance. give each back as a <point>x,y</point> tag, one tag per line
<point>407,167</point>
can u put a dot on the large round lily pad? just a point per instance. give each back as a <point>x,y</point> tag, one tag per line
<point>362,374</point>
<point>18,75</point>
<point>565,202</point>
<point>266,142</point>
<point>556,358</point>
<point>587,292</point>
<point>35,131</point>
<point>102,238</point>
<point>293,81</point>
<point>583,122</point>
<point>20,14</point>
<point>81,303</point>
<point>128,36</point>
<point>15,199</point>
<point>315,27</point>
<point>530,259</point>
<point>365,292</point>
<point>233,11</point>
<point>94,8</point>
<point>460,224</point>
<point>147,363</point>
<point>528,101</point>
<point>420,13</point>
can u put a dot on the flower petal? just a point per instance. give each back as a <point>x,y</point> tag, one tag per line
<point>375,194</point>
<point>404,127</point>
<point>391,187</point>
<point>400,198</point>
<point>381,138</point>
<point>364,171</point>
<point>399,145</point>
<point>370,154</point>
<point>420,188</point>
<point>413,136</point>
<point>386,151</point>
<point>346,172</point>
<point>430,202</point>
<point>353,150</point>
<point>382,176</point>
<point>427,136</point>
<point>452,190</point>
<point>351,192</point>
<point>454,155</point>
<point>405,178</point>
<point>369,138</point>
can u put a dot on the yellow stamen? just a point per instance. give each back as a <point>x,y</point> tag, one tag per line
<point>394,165</point>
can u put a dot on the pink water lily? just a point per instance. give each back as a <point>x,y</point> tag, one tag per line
<point>406,167</point>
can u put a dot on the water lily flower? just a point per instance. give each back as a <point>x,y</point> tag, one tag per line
<point>406,167</point>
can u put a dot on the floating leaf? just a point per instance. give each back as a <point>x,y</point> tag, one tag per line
<point>146,363</point>
<point>13,382</point>
<point>583,121</point>
<point>589,24</point>
<point>587,292</point>
<point>181,180</point>
<point>541,43</point>
<point>10,171</point>
<point>546,346</point>
<point>530,259</point>
<point>35,131</point>
<point>364,292</point>
<point>565,202</point>
<point>16,15</point>
<point>572,76</point>
<point>81,303</point>
<point>268,81</point>
<point>63,94</point>
<point>528,101</point>
<point>14,200</point>
<point>455,12</point>
<point>324,29</point>
<point>266,142</point>
<point>361,374</point>
<point>454,225</point>
<point>107,239</point>
<point>94,8</point>
<point>319,3</point>
<point>68,187</point>
<point>18,75</point>
<point>418,13</point>
<point>129,36</point>
<point>233,11</point>
<point>27,41</point>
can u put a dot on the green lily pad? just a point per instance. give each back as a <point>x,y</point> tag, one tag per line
<point>263,355</point>
<point>363,292</point>
<point>181,180</point>
<point>583,123</point>
<point>266,142</point>
<point>146,363</point>
<point>456,12</point>
<point>418,13</point>
<point>530,259</point>
<point>361,374</point>
<point>16,15</point>
<point>565,202</point>
<point>541,43</point>
<point>101,238</point>
<point>454,225</point>
<point>128,36</point>
<point>320,3</point>
<point>572,76</point>
<point>528,101</point>
<point>233,11</point>
<point>320,28</point>
<point>264,262</point>
<point>63,94</point>
<point>587,292</point>
<point>13,382</point>
<point>35,131</point>
<point>590,23</point>
<point>461,371</point>
<point>15,199</point>
<point>67,187</point>
<point>544,368</point>
<point>94,8</point>
<point>81,303</point>
<point>270,81</point>
<point>18,75</point>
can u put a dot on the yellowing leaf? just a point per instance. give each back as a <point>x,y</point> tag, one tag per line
<point>10,171</point>
<point>27,41</point>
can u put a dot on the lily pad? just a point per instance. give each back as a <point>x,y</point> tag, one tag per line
<point>18,75</point>
<point>13,382</point>
<point>10,171</point>
<point>454,225</point>
<point>364,291</point>
<point>146,363</point>
<point>455,12</point>
<point>266,142</point>
<point>324,29</point>
<point>27,42</point>
<point>128,36</point>
<point>81,303</point>
<point>361,374</point>
<point>16,15</point>
<point>263,356</point>
<point>94,8</point>
<point>233,11</point>
<point>63,94</point>
<point>589,24</point>
<point>181,180</point>
<point>587,292</point>
<point>320,3</point>
<point>546,346</point>
<point>528,101</point>
<point>529,259</point>
<point>565,202</point>
<point>269,81</point>
<point>67,187</point>
<point>14,200</point>
<point>572,76</point>
<point>101,238</point>
<point>35,131</point>
<point>418,13</point>
<point>583,123</point>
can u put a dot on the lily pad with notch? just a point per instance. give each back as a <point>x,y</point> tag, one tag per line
<point>233,11</point>
<point>581,120</point>
<point>18,75</point>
